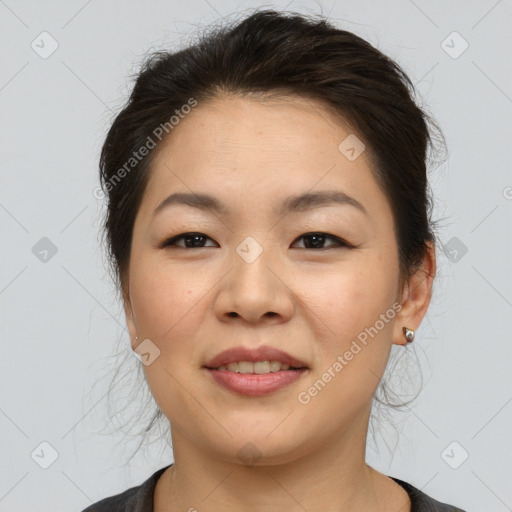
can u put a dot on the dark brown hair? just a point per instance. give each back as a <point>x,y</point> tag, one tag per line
<point>286,53</point>
<point>278,53</point>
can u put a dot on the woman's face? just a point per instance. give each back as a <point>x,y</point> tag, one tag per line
<point>250,278</point>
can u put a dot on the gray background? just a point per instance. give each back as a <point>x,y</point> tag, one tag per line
<point>60,318</point>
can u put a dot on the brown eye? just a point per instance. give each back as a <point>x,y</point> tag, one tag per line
<point>191,241</point>
<point>317,241</point>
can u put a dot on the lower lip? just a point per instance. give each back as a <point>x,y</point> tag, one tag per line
<point>253,384</point>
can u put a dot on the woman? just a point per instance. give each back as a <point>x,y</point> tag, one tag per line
<point>268,223</point>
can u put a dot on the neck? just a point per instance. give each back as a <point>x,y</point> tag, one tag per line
<point>333,476</point>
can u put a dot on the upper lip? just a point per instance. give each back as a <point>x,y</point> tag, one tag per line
<point>263,353</point>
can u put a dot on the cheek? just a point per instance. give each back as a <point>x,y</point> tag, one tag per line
<point>164,298</point>
<point>355,303</point>
<point>351,298</point>
<point>167,303</point>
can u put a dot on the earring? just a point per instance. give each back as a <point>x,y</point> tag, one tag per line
<point>408,333</point>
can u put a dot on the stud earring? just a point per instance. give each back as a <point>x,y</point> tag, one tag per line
<point>408,333</point>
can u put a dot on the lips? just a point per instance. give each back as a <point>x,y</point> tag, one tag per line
<point>263,353</point>
<point>256,385</point>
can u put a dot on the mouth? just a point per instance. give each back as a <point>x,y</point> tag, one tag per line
<point>260,360</point>
<point>255,371</point>
<point>256,368</point>
<point>251,383</point>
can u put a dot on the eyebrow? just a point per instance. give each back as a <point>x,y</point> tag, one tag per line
<point>299,203</point>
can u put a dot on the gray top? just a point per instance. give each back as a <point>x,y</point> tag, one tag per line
<point>140,498</point>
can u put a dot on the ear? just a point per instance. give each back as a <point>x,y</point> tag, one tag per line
<point>415,297</point>
<point>130,317</point>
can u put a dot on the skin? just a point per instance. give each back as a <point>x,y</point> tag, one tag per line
<point>192,303</point>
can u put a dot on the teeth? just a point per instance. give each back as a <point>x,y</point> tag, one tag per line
<point>259,367</point>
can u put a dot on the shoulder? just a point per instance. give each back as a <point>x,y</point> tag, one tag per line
<point>135,499</point>
<point>421,502</point>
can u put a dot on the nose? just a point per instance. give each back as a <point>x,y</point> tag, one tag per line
<point>255,291</point>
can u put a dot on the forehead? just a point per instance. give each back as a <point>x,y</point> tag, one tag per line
<point>243,147</point>
<point>277,129</point>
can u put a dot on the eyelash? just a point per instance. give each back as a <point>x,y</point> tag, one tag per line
<point>340,242</point>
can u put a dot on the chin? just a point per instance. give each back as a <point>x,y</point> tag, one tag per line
<point>268,448</point>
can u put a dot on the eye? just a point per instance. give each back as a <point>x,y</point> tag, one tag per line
<point>196,241</point>
<point>316,241</point>
<point>192,240</point>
